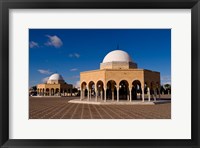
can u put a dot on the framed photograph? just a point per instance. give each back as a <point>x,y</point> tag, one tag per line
<point>104,73</point>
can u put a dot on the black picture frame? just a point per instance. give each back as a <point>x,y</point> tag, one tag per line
<point>5,5</point>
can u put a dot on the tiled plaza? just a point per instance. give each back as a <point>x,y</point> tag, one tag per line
<point>59,108</point>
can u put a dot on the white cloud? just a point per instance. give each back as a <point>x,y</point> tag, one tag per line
<point>54,41</point>
<point>165,79</point>
<point>46,72</point>
<point>74,55</point>
<point>73,69</point>
<point>33,44</point>
<point>77,84</point>
<point>71,55</point>
<point>75,77</point>
<point>44,80</point>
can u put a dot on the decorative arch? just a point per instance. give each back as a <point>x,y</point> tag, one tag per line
<point>84,90</point>
<point>52,92</point>
<point>91,87</point>
<point>158,88</point>
<point>111,90</point>
<point>123,90</point>
<point>83,85</point>
<point>152,87</point>
<point>57,91</point>
<point>40,91</point>
<point>100,89</point>
<point>136,90</point>
<point>47,91</point>
<point>99,84</point>
<point>43,92</point>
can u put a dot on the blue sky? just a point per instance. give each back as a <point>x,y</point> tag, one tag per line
<point>71,51</point>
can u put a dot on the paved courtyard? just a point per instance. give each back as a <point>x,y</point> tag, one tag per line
<point>59,108</point>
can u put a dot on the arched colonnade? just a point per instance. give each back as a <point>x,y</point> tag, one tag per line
<point>122,90</point>
<point>53,92</point>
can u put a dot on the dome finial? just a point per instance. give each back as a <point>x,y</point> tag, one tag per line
<point>118,46</point>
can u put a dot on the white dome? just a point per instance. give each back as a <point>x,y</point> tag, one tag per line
<point>56,77</point>
<point>117,56</point>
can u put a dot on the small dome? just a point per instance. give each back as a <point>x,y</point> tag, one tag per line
<point>117,56</point>
<point>56,77</point>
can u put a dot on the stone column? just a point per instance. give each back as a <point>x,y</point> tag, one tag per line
<point>113,94</point>
<point>117,94</point>
<point>101,95</point>
<point>96,92</point>
<point>130,94</point>
<point>148,93</point>
<point>90,92</point>
<point>142,94</point>
<point>136,92</point>
<point>88,95</point>
<point>105,94</point>
<point>83,93</point>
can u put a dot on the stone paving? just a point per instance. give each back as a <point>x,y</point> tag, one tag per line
<point>59,108</point>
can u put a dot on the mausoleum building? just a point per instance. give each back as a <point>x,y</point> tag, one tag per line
<point>119,78</point>
<point>55,86</point>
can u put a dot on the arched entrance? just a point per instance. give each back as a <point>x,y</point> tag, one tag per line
<point>52,92</point>
<point>83,90</point>
<point>111,92</point>
<point>158,89</point>
<point>47,91</point>
<point>123,90</point>
<point>57,92</point>
<point>136,90</point>
<point>153,91</point>
<point>43,92</point>
<point>91,90</point>
<point>100,89</point>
